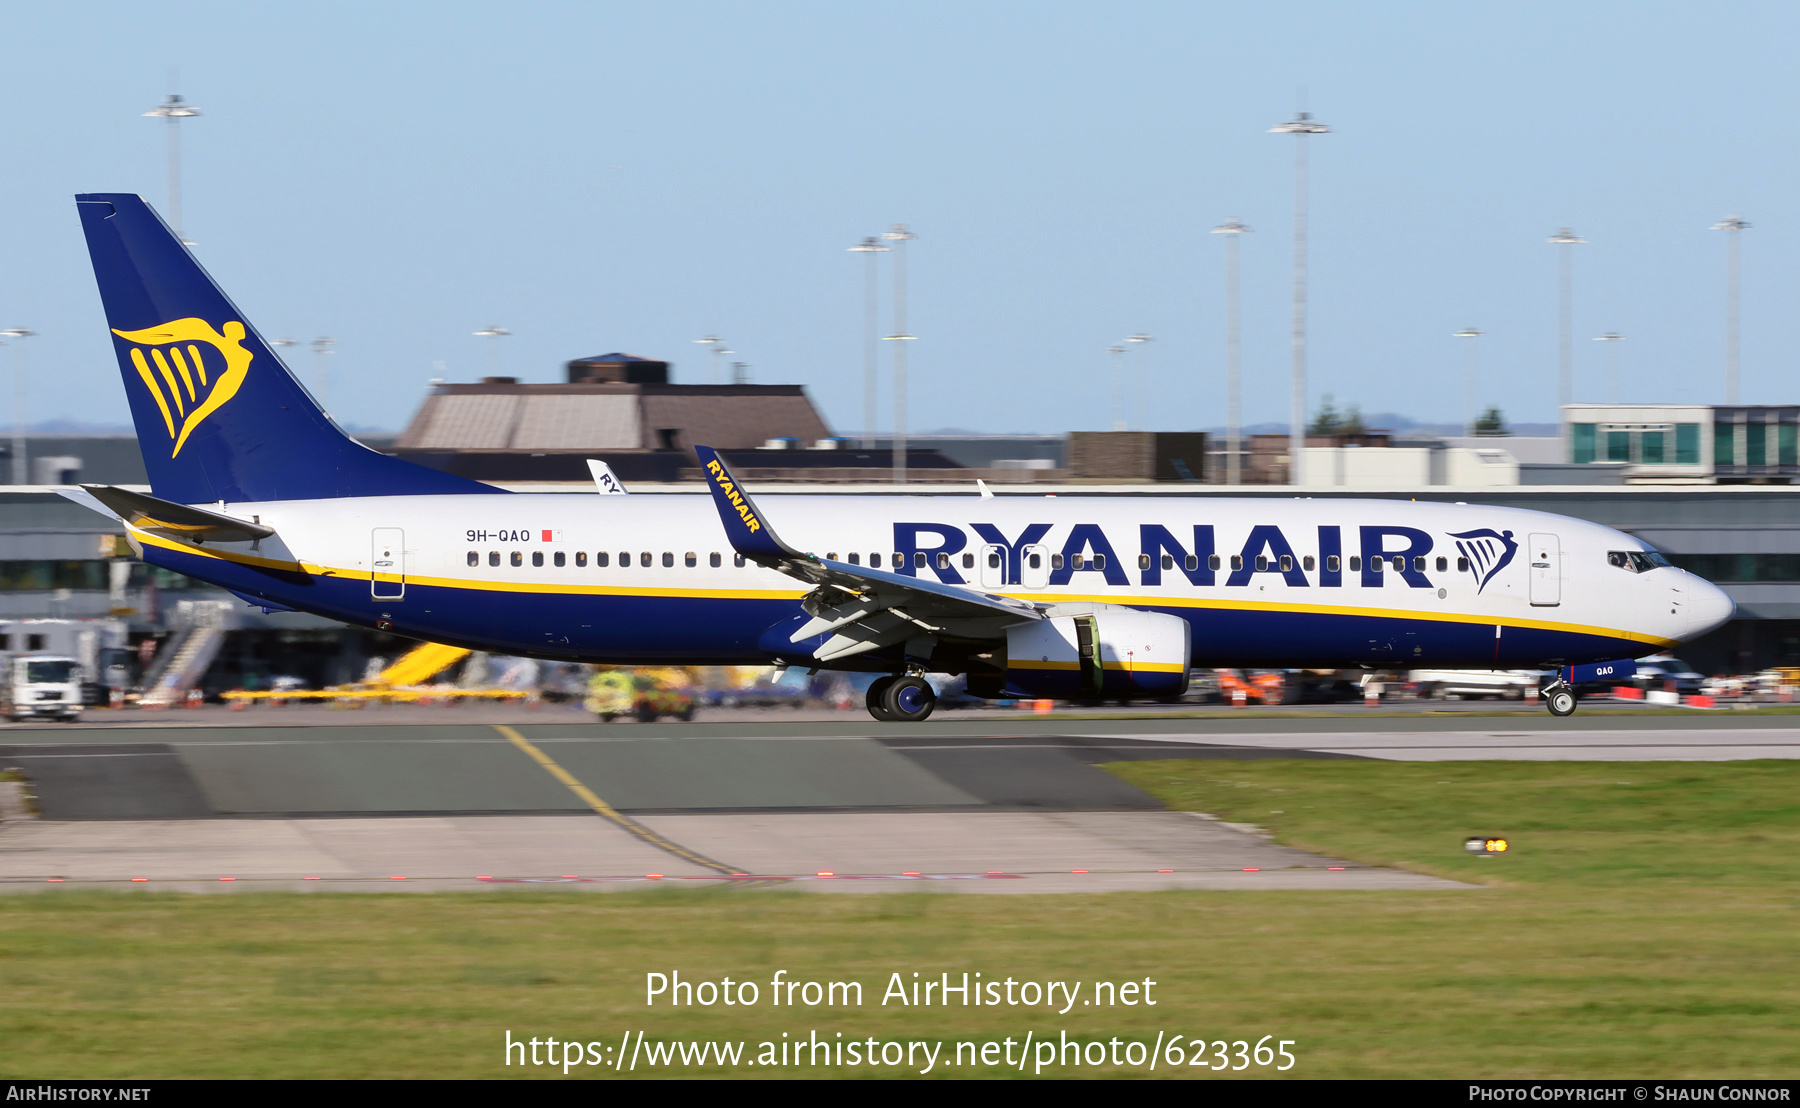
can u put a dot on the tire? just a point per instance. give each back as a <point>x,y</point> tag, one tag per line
<point>607,717</point>
<point>876,700</point>
<point>686,715</point>
<point>646,714</point>
<point>1561,702</point>
<point>909,700</point>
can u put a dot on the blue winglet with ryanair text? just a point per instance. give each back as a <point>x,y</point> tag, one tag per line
<point>745,526</point>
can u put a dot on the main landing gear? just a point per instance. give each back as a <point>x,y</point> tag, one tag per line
<point>901,699</point>
<point>1559,698</point>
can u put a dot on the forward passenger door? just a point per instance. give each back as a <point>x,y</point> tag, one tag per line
<point>1546,571</point>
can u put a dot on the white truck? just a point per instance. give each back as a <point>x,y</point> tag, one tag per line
<point>41,686</point>
<point>1501,684</point>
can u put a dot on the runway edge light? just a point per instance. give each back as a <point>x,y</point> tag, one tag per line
<point>1485,846</point>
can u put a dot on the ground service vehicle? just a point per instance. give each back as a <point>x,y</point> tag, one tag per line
<point>41,686</point>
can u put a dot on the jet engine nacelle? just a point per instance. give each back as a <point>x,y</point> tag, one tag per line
<point>1107,652</point>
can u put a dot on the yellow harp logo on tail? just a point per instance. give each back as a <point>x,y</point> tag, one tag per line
<point>184,389</point>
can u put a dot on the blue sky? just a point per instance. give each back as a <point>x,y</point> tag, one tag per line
<point>599,177</point>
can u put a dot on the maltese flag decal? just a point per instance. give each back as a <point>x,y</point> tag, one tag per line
<point>552,536</point>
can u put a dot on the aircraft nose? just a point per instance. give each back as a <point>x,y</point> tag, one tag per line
<point>1708,607</point>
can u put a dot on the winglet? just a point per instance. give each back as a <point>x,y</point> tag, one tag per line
<point>745,525</point>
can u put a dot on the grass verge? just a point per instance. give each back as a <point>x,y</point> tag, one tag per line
<point>1643,926</point>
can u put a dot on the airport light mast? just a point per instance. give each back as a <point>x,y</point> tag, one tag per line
<point>323,348</point>
<point>1117,357</point>
<point>1301,126</point>
<point>1137,342</point>
<point>174,110</point>
<point>1470,379</point>
<point>19,460</point>
<point>1732,224</point>
<point>1612,339</point>
<point>899,236</point>
<point>869,247</point>
<point>1565,351</point>
<point>720,353</point>
<point>1232,228</point>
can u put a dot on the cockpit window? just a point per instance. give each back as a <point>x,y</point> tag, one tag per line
<point>1636,561</point>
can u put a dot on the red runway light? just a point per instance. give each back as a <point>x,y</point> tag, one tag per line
<point>740,875</point>
<point>228,879</point>
<point>826,873</point>
<point>56,880</point>
<point>480,877</point>
<point>1165,871</point>
<point>396,878</point>
<point>654,876</point>
<point>1252,869</point>
<point>1078,871</point>
<point>1334,867</point>
<point>992,872</point>
<point>140,879</point>
<point>309,879</point>
<point>910,873</point>
<point>569,876</point>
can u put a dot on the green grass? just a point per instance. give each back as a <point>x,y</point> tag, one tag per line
<point>1644,925</point>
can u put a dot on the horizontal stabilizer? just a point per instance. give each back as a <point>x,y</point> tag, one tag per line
<point>175,521</point>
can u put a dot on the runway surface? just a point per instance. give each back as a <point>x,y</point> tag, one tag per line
<point>993,805</point>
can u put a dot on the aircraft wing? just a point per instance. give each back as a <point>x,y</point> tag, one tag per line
<point>862,608</point>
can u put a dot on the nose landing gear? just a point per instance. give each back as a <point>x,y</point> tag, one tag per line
<point>1559,698</point>
<point>898,699</point>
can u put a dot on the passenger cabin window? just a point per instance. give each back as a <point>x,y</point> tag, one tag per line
<point>994,559</point>
<point>943,560</point>
<point>918,559</point>
<point>1443,563</point>
<point>1418,564</point>
<point>1078,561</point>
<point>1355,563</point>
<point>968,561</point>
<point>690,559</point>
<point>1099,561</point>
<point>855,558</point>
<point>537,557</point>
<point>581,557</point>
<point>1287,562</point>
<point>602,559</point>
<point>875,560</point>
<point>1144,561</point>
<point>1191,562</point>
<point>1307,563</point>
<point>1331,563</point>
<point>645,558</point>
<point>1262,563</point>
<point>493,557</point>
<point>1212,562</point>
<point>517,558</point>
<point>1462,565</point>
<point>1168,561</point>
<point>1237,561</point>
<point>713,559</point>
<point>559,559</point>
<point>474,557</point>
<point>1375,564</point>
<point>1035,561</point>
<point>668,559</point>
<point>737,560</point>
<point>832,557</point>
<point>624,559</point>
<point>1056,561</point>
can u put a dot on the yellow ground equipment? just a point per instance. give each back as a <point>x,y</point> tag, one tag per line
<point>398,681</point>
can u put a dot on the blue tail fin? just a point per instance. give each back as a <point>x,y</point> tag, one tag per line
<point>218,416</point>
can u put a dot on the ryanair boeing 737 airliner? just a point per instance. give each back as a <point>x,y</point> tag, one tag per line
<point>254,489</point>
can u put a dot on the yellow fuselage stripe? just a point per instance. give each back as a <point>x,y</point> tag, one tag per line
<point>1219,604</point>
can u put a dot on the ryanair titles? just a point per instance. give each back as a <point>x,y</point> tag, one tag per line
<point>1316,559</point>
<point>728,489</point>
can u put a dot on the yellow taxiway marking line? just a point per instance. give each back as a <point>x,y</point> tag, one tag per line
<point>607,812</point>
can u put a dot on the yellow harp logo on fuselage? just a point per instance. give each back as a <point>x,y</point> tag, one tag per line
<point>185,392</point>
